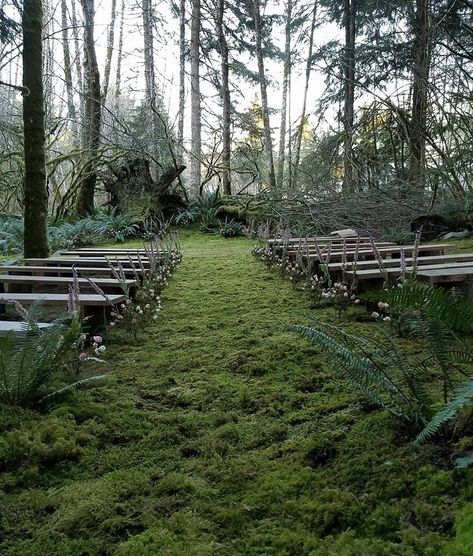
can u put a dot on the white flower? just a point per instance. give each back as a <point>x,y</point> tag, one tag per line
<point>375,315</point>
<point>387,319</point>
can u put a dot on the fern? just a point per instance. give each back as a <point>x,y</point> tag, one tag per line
<point>461,399</point>
<point>447,306</point>
<point>352,358</point>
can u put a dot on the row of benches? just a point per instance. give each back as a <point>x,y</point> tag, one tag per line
<point>52,277</point>
<point>432,264</point>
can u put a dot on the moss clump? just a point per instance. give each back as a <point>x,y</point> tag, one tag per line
<point>219,432</point>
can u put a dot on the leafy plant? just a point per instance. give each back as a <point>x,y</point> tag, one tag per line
<point>405,386</point>
<point>398,236</point>
<point>428,302</point>
<point>11,235</point>
<point>205,210</point>
<point>29,361</point>
<point>117,225</point>
<point>230,228</point>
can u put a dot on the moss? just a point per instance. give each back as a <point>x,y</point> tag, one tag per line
<point>219,432</point>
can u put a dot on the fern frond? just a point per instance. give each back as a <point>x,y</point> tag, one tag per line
<point>357,369</point>
<point>73,386</point>
<point>461,398</point>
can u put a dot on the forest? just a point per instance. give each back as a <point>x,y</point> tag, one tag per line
<point>236,277</point>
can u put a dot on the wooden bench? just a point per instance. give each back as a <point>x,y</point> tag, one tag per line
<point>66,270</point>
<point>446,275</point>
<point>17,328</point>
<point>429,259</point>
<point>91,305</point>
<point>103,253</point>
<point>57,299</point>
<point>322,239</point>
<point>83,261</point>
<point>106,284</point>
<point>373,274</point>
<point>363,253</point>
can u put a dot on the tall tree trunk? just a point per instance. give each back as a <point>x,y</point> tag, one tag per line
<point>308,69</point>
<point>264,96</point>
<point>422,56</point>
<point>77,60</point>
<point>150,81</point>
<point>92,114</point>
<point>71,107</point>
<point>285,88</point>
<point>349,92</point>
<point>182,79</point>
<point>118,79</point>
<point>226,101</point>
<point>35,189</point>
<point>196,109</point>
<point>110,44</point>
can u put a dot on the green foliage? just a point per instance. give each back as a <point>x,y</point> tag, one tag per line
<point>205,209</point>
<point>230,228</point>
<point>116,226</point>
<point>428,303</point>
<point>462,398</point>
<point>363,363</point>
<point>400,237</point>
<point>381,370</point>
<point>11,235</point>
<point>30,361</point>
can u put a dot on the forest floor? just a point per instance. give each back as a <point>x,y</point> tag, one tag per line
<point>220,432</point>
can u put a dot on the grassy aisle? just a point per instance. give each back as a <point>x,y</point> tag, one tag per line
<point>220,433</point>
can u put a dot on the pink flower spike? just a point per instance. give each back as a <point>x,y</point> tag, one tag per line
<point>83,356</point>
<point>98,339</point>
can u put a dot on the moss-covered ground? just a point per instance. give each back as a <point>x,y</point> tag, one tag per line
<point>220,432</point>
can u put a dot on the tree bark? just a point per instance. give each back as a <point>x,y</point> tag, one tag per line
<point>422,56</point>
<point>264,96</point>
<point>35,189</point>
<point>110,44</point>
<point>196,109</point>
<point>150,81</point>
<point>308,70</point>
<point>92,114</point>
<point>226,101</point>
<point>349,92</point>
<point>71,107</point>
<point>118,79</point>
<point>285,88</point>
<point>182,78</point>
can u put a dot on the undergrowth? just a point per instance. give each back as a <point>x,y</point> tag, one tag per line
<point>219,432</point>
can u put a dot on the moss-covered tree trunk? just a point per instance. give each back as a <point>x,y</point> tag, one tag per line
<point>35,189</point>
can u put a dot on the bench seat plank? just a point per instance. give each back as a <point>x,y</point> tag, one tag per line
<point>62,281</point>
<point>17,328</point>
<point>83,261</point>
<point>88,271</point>
<point>394,272</point>
<point>437,276</point>
<point>433,259</point>
<point>86,300</point>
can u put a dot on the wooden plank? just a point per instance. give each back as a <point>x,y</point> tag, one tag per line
<point>67,270</point>
<point>17,328</point>
<point>437,276</point>
<point>61,299</point>
<point>333,239</point>
<point>395,272</point>
<point>83,261</point>
<point>430,248</point>
<point>104,283</point>
<point>429,259</point>
<point>109,254</point>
